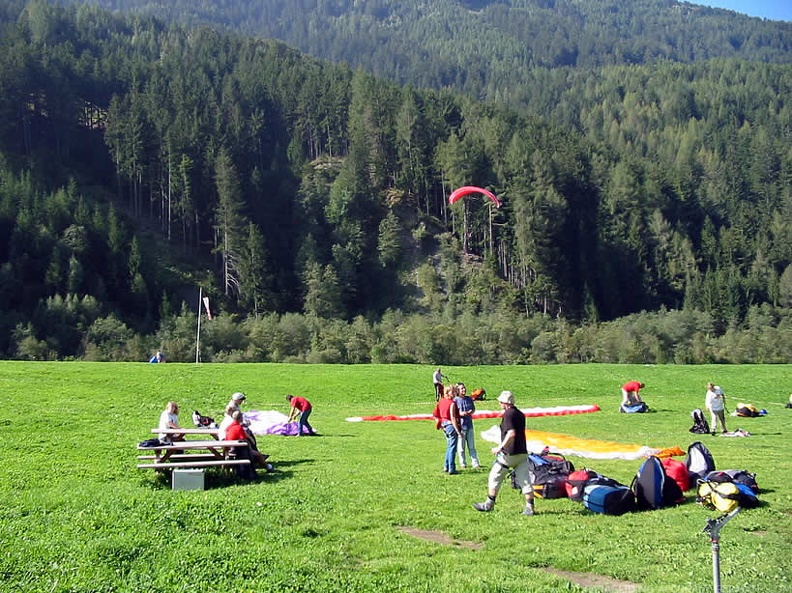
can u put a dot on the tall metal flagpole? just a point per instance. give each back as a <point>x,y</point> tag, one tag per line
<point>198,332</point>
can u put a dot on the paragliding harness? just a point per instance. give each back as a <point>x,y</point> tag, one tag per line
<point>478,394</point>
<point>722,491</point>
<point>201,421</point>
<point>700,424</point>
<point>609,497</point>
<point>638,408</point>
<point>746,410</point>
<point>699,461</point>
<point>653,488</point>
<point>549,473</point>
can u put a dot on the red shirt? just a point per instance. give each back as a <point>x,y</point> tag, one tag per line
<point>632,386</point>
<point>442,410</point>
<point>235,432</point>
<point>302,404</point>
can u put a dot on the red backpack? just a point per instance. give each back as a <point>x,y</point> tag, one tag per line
<point>577,481</point>
<point>677,471</point>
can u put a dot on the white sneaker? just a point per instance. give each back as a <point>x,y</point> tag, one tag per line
<point>476,465</point>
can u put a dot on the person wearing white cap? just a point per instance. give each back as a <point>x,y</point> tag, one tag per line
<point>231,407</point>
<point>715,402</point>
<point>510,453</point>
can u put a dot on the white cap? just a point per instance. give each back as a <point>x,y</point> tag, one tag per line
<point>718,390</point>
<point>238,397</point>
<point>506,397</point>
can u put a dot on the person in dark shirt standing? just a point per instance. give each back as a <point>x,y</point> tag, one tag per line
<point>510,453</point>
<point>437,380</point>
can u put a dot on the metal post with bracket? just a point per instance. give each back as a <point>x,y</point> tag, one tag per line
<point>713,530</point>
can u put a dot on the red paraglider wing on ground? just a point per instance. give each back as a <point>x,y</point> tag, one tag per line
<point>472,189</point>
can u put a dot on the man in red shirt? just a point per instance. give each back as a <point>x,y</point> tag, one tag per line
<point>630,395</point>
<point>302,407</point>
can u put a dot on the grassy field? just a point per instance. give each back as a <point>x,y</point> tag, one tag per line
<point>342,511</point>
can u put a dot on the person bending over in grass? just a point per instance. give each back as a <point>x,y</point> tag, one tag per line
<point>300,407</point>
<point>630,395</point>
<point>511,453</point>
<point>169,419</point>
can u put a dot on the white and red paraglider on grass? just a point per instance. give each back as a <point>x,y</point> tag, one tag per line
<point>466,190</point>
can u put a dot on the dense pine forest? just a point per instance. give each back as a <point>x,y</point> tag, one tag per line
<point>646,192</point>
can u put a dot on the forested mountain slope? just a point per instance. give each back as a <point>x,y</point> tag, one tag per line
<point>494,50</point>
<point>322,190</point>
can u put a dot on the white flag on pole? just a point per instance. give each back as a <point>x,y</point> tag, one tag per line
<point>208,310</point>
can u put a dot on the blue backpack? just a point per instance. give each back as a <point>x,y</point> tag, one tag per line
<point>653,488</point>
<point>608,497</point>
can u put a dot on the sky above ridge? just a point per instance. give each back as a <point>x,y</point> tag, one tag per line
<point>778,10</point>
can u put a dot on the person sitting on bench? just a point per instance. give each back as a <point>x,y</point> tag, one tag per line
<point>169,419</point>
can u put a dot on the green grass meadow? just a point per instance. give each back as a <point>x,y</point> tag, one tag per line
<point>78,516</point>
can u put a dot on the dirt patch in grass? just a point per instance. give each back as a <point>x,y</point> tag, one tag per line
<point>587,579</point>
<point>583,579</point>
<point>439,537</point>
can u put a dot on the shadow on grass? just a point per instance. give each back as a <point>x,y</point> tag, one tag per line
<point>290,462</point>
<point>163,480</point>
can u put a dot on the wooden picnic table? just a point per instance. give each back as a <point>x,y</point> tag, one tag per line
<point>212,432</point>
<point>191,453</point>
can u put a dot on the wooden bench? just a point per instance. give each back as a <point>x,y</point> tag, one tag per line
<point>194,464</point>
<point>204,454</point>
<point>179,456</point>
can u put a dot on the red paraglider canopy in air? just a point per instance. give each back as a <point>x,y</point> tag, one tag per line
<point>472,189</point>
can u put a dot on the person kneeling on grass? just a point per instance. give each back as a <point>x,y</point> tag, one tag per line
<point>511,453</point>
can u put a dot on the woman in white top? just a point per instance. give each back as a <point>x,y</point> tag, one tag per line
<point>715,402</point>
<point>169,419</point>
